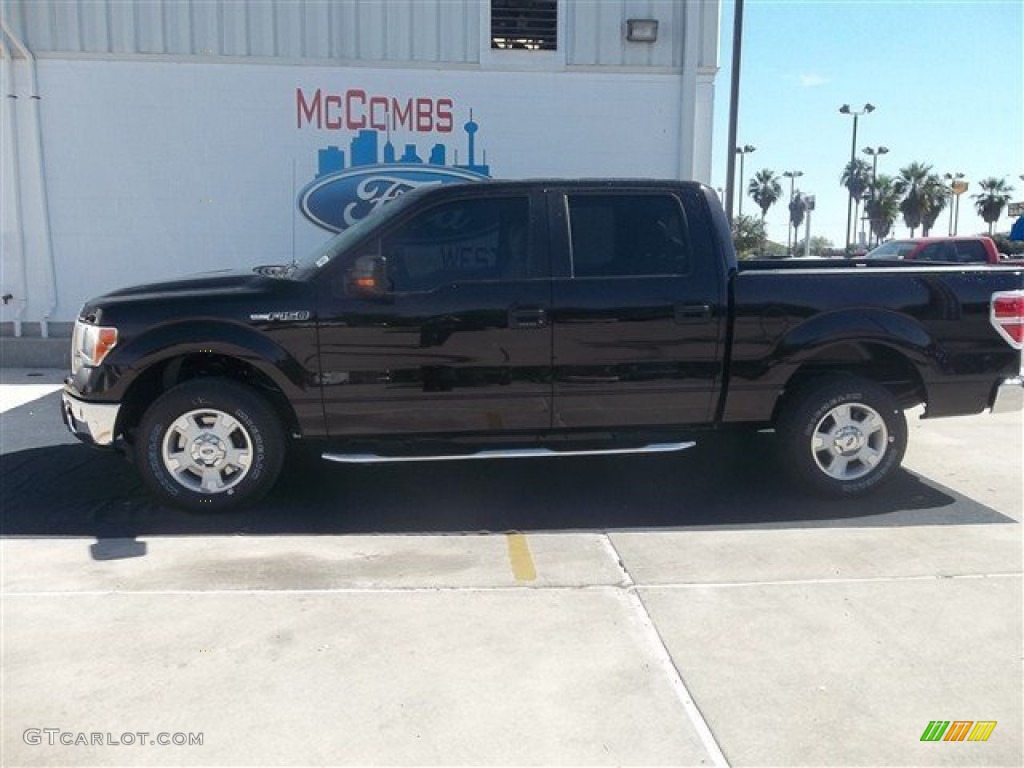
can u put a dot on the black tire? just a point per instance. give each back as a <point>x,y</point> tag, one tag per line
<point>842,436</point>
<point>209,445</point>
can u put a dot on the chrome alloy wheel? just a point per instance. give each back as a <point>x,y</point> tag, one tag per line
<point>207,451</point>
<point>849,441</point>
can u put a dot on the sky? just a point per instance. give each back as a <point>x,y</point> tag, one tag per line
<point>946,80</point>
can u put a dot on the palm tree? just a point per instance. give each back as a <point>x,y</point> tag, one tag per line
<point>910,185</point>
<point>797,207</point>
<point>994,195</point>
<point>883,206</point>
<point>765,190</point>
<point>934,194</point>
<point>856,178</point>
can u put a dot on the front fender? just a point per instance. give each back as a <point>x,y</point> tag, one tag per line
<point>262,348</point>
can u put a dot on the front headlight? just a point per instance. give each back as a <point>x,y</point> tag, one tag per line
<point>90,344</point>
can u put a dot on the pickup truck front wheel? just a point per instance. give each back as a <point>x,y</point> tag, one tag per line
<point>209,445</point>
<point>843,436</point>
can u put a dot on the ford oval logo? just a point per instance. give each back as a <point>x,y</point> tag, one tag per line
<point>339,200</point>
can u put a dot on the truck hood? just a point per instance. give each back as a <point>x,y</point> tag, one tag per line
<point>203,284</point>
<point>234,294</point>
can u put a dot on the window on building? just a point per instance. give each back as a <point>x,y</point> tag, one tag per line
<point>628,235</point>
<point>530,25</point>
<point>466,240</point>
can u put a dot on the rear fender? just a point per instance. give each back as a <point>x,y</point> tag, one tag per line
<point>871,326</point>
<point>811,342</point>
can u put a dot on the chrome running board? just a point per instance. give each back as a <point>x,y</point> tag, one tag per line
<point>520,453</point>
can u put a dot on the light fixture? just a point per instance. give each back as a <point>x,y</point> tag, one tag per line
<point>642,30</point>
<point>846,110</point>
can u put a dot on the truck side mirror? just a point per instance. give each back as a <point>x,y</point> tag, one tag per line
<point>368,278</point>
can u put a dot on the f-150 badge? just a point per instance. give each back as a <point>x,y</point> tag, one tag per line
<point>274,317</point>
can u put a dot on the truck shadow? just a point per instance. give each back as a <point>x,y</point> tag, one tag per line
<point>71,490</point>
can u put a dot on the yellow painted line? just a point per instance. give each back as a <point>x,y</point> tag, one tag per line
<point>520,558</point>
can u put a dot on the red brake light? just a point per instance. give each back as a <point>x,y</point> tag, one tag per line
<point>1008,306</point>
<point>1007,316</point>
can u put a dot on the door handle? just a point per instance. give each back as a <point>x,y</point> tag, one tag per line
<point>527,317</point>
<point>692,313</point>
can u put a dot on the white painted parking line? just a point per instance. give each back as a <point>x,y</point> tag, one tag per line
<point>19,386</point>
<point>15,395</point>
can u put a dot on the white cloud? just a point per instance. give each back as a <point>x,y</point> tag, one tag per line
<point>812,80</point>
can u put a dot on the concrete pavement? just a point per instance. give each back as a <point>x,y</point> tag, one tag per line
<point>831,640</point>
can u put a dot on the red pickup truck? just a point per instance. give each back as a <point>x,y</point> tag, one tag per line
<point>948,250</point>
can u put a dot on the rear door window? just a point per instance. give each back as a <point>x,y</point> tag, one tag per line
<point>938,252</point>
<point>971,252</point>
<point>622,235</point>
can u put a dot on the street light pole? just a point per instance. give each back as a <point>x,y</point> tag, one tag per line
<point>790,240</point>
<point>746,149</point>
<point>845,110</point>
<point>734,101</point>
<point>874,152</point>
<point>954,182</point>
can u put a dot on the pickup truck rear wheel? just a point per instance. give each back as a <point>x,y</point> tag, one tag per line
<point>209,445</point>
<point>843,436</point>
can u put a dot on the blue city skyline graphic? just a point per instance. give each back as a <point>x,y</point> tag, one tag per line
<point>365,151</point>
<point>341,195</point>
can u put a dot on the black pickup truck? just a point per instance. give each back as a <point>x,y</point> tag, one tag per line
<point>539,318</point>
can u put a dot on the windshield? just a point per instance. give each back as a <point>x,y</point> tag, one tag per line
<point>329,250</point>
<point>894,249</point>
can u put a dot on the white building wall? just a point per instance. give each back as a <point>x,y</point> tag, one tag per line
<point>163,160</point>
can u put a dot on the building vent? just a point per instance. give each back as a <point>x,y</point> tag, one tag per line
<point>530,25</point>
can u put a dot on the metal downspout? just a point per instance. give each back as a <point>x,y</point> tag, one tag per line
<point>11,126</point>
<point>37,135</point>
